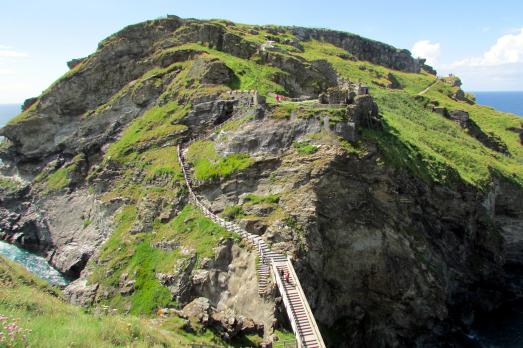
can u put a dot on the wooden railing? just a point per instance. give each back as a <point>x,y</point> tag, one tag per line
<point>312,337</point>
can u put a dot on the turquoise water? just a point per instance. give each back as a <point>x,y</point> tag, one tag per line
<point>503,101</point>
<point>34,263</point>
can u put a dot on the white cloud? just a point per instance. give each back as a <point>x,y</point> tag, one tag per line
<point>428,50</point>
<point>8,53</point>
<point>508,49</point>
<point>499,68</point>
<point>6,72</point>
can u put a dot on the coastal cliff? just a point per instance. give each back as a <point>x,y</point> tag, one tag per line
<point>399,200</point>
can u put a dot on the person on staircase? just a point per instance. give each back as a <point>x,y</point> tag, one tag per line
<point>286,277</point>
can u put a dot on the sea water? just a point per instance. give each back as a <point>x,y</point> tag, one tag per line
<point>7,112</point>
<point>502,101</point>
<point>34,263</point>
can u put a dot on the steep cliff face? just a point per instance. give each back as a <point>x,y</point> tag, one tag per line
<point>363,49</point>
<point>400,223</point>
<point>386,259</point>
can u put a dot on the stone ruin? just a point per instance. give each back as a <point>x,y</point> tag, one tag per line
<point>344,93</point>
<point>247,98</point>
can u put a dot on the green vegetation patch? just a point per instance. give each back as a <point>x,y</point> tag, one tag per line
<point>304,147</point>
<point>233,212</point>
<point>23,115</point>
<point>59,179</point>
<point>434,148</point>
<point>375,76</point>
<point>256,199</point>
<point>51,322</point>
<point>250,75</point>
<point>357,149</point>
<point>428,145</point>
<point>193,230</point>
<point>209,165</point>
<point>156,123</point>
<point>137,256</point>
<point>9,185</point>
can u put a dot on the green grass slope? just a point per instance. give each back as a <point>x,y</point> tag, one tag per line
<point>47,321</point>
<point>413,138</point>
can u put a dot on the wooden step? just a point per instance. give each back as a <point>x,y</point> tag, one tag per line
<point>297,311</point>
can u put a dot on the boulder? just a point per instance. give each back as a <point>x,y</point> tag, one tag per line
<point>198,310</point>
<point>440,110</point>
<point>459,95</point>
<point>254,225</point>
<point>460,116</point>
<point>180,282</point>
<point>394,83</point>
<point>294,43</point>
<point>210,71</point>
<point>225,322</point>
<point>231,325</point>
<point>80,293</point>
<point>126,284</point>
<point>28,103</point>
<point>74,62</point>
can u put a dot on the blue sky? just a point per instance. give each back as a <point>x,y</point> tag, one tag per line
<point>480,41</point>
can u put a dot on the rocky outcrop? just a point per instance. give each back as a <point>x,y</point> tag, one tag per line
<point>61,116</point>
<point>73,63</point>
<point>393,81</point>
<point>210,71</point>
<point>28,103</point>
<point>364,112</point>
<point>362,48</point>
<point>426,67</point>
<point>427,245</point>
<point>80,293</point>
<point>225,323</point>
<point>386,259</point>
<point>459,116</point>
<point>462,118</point>
<point>301,77</point>
<point>216,37</point>
<point>66,229</point>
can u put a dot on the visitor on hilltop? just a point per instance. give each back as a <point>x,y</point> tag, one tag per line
<point>277,98</point>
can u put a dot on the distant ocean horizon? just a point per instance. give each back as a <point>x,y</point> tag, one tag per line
<point>508,101</point>
<point>7,112</point>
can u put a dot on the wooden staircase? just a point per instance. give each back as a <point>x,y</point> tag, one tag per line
<point>263,271</point>
<point>298,310</point>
